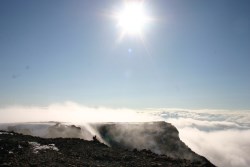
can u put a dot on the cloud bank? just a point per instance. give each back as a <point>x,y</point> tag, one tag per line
<point>221,136</point>
<point>72,112</point>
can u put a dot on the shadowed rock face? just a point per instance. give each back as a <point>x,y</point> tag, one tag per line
<point>159,137</point>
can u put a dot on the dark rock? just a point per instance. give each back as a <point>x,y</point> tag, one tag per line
<point>35,151</point>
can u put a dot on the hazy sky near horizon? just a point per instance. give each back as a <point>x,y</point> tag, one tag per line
<point>195,54</point>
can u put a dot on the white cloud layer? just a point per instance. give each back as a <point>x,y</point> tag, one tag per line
<point>221,136</point>
<point>227,148</point>
<point>71,112</point>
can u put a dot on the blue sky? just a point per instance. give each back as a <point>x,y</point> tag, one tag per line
<point>197,55</point>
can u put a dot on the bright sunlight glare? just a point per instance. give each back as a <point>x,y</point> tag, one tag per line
<point>132,18</point>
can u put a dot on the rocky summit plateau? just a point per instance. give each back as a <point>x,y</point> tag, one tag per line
<point>96,144</point>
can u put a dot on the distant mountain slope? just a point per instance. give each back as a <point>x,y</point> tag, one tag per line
<point>159,137</point>
<point>25,150</point>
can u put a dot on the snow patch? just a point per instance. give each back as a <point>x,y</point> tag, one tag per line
<point>37,147</point>
<point>5,133</point>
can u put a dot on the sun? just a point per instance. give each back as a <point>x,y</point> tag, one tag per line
<point>132,19</point>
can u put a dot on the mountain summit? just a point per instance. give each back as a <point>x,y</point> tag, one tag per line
<point>113,144</point>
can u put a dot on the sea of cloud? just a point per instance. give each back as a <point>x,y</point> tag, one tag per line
<point>71,112</point>
<point>221,136</point>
